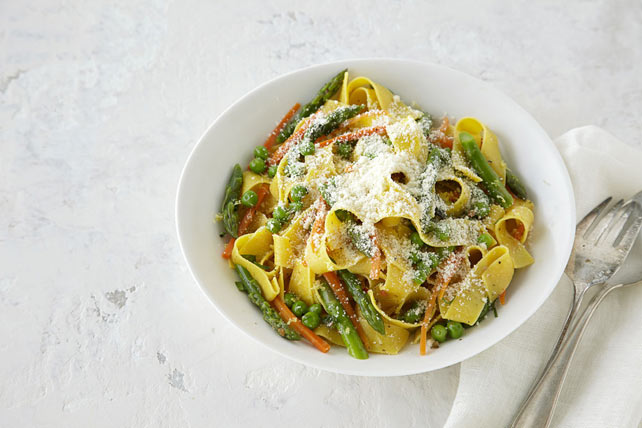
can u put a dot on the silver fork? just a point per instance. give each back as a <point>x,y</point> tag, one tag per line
<point>603,239</point>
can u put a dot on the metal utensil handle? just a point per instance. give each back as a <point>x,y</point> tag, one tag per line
<point>538,409</point>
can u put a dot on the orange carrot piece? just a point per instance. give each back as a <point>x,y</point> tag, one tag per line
<point>502,297</point>
<point>445,141</point>
<point>227,252</point>
<point>442,282</point>
<point>289,143</point>
<point>375,265</point>
<point>296,324</point>
<point>275,133</point>
<point>249,214</point>
<point>342,295</point>
<point>381,130</point>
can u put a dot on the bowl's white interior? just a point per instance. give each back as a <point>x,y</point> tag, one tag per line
<point>526,147</point>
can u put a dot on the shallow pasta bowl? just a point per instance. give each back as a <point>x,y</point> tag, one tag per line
<point>525,146</point>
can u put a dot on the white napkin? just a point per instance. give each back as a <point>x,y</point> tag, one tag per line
<point>604,385</point>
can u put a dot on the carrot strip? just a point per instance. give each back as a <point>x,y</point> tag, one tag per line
<point>287,316</point>
<point>275,133</point>
<point>502,297</point>
<point>319,222</point>
<point>249,214</point>
<point>381,130</point>
<point>227,252</point>
<point>442,282</point>
<point>289,143</point>
<point>445,141</point>
<point>342,295</point>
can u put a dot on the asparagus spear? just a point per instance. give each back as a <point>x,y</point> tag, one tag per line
<point>490,179</point>
<point>425,123</point>
<point>231,201</point>
<point>347,331</point>
<point>368,311</point>
<point>269,314</point>
<point>515,185</point>
<point>324,94</point>
<point>328,124</point>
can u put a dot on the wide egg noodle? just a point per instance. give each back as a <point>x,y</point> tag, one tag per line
<point>406,135</point>
<point>486,281</point>
<point>302,283</point>
<point>456,208</point>
<point>257,244</point>
<point>486,140</point>
<point>380,95</point>
<point>390,343</point>
<point>520,214</point>
<point>420,294</point>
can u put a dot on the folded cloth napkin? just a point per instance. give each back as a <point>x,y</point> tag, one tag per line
<point>604,384</point>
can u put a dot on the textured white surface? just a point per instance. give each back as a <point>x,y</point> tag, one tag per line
<point>100,103</point>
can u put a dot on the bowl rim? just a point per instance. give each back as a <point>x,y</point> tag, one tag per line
<point>347,63</point>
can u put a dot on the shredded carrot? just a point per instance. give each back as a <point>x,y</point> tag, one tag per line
<point>227,252</point>
<point>375,264</point>
<point>275,133</point>
<point>445,141</point>
<point>249,214</point>
<point>319,222</point>
<point>518,231</point>
<point>445,123</point>
<point>381,130</point>
<point>342,295</point>
<point>502,297</point>
<point>290,142</point>
<point>442,282</point>
<point>287,316</point>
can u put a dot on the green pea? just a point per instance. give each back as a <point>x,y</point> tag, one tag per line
<point>438,332</point>
<point>272,170</point>
<point>249,198</point>
<point>296,206</point>
<point>289,299</point>
<point>415,238</point>
<point>299,308</point>
<point>257,165</point>
<point>273,225</point>
<point>298,192</point>
<point>486,239</point>
<point>307,148</point>
<point>261,152</point>
<point>455,329</point>
<point>280,213</point>
<point>316,308</point>
<point>311,320</point>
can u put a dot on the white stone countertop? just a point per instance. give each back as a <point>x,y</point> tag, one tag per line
<point>101,101</point>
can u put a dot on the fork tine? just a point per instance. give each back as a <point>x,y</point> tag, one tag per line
<point>631,227</point>
<point>584,224</point>
<point>604,225</point>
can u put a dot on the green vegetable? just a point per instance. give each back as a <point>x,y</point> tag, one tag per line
<point>515,185</point>
<point>332,121</point>
<point>486,239</point>
<point>438,332</point>
<point>272,170</point>
<point>348,333</point>
<point>316,308</point>
<point>289,299</point>
<point>481,208</point>
<point>239,285</point>
<point>439,229</point>
<point>298,192</point>
<point>257,165</point>
<point>368,311</point>
<point>425,123</point>
<point>273,225</point>
<point>249,198</point>
<point>490,180</point>
<point>487,307</point>
<point>311,320</point>
<point>455,329</point>
<point>306,148</point>
<point>299,308</point>
<point>261,152</point>
<point>281,214</point>
<point>295,206</point>
<point>415,312</point>
<point>229,209</point>
<point>252,258</point>
<point>324,94</point>
<point>343,215</point>
<point>425,267</point>
<point>269,314</point>
<point>415,238</point>
<point>345,149</point>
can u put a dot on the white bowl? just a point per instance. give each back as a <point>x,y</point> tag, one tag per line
<point>525,145</point>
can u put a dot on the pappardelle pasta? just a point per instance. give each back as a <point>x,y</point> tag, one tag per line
<point>363,223</point>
